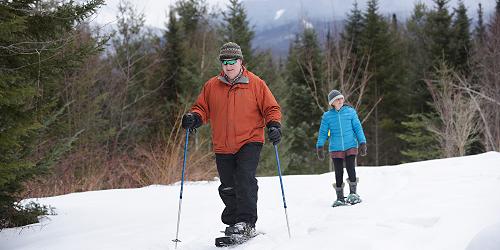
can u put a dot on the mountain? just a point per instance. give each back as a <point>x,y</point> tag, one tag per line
<point>265,13</point>
<point>278,38</point>
<point>277,21</point>
<point>439,204</point>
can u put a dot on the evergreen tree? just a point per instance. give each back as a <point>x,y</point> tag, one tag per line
<point>419,144</point>
<point>199,50</point>
<point>191,14</point>
<point>461,43</point>
<point>394,23</point>
<point>422,144</point>
<point>235,28</point>
<point>199,47</point>
<point>439,33</point>
<point>173,57</point>
<point>387,71</point>
<point>303,69</point>
<point>33,38</point>
<point>353,29</point>
<point>420,59</point>
<point>480,29</point>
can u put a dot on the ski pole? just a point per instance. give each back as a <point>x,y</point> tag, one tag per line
<point>182,188</point>
<point>282,190</point>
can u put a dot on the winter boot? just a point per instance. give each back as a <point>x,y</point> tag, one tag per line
<point>242,229</point>
<point>340,195</point>
<point>353,197</point>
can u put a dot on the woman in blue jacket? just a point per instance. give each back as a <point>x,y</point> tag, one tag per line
<point>343,127</point>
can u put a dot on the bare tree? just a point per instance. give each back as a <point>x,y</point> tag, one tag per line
<point>487,92</point>
<point>457,120</point>
<point>352,76</point>
<point>344,72</point>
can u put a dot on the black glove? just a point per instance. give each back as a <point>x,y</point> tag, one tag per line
<point>320,153</point>
<point>274,132</point>
<point>191,120</point>
<point>362,149</point>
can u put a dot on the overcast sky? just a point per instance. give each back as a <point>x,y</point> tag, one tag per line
<point>155,10</point>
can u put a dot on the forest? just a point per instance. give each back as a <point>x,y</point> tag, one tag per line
<point>86,109</point>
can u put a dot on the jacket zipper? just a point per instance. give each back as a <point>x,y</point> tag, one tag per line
<point>227,116</point>
<point>341,134</point>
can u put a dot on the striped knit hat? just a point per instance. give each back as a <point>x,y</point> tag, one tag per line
<point>334,95</point>
<point>230,50</point>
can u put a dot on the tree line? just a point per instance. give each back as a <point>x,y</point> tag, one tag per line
<point>82,109</point>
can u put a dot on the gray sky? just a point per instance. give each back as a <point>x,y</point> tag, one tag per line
<point>155,10</point>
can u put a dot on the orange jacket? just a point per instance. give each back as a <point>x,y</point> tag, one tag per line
<point>237,113</point>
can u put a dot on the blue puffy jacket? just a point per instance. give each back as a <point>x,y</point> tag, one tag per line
<point>345,129</point>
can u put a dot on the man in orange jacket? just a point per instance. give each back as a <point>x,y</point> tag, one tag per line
<point>238,105</point>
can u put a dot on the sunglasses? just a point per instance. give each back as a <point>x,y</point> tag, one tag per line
<point>230,62</point>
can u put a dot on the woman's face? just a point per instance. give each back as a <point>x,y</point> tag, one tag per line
<point>337,104</point>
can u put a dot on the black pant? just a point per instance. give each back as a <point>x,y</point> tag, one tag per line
<point>350,163</point>
<point>238,189</point>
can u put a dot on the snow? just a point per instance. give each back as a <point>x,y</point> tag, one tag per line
<point>279,13</point>
<point>439,204</point>
<point>307,24</point>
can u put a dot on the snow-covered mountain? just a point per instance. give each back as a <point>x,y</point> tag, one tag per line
<point>277,21</point>
<point>275,12</point>
<point>266,13</point>
<point>440,204</point>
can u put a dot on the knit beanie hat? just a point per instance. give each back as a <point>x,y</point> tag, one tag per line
<point>230,50</point>
<point>334,95</point>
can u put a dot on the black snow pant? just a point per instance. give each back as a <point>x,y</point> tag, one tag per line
<point>238,189</point>
<point>350,164</point>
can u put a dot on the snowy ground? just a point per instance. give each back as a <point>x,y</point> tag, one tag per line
<point>440,204</point>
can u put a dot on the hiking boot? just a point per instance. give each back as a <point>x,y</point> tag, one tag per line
<point>241,228</point>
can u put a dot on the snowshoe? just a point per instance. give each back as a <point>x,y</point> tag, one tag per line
<point>231,240</point>
<point>353,199</point>
<point>339,203</point>
<point>236,234</point>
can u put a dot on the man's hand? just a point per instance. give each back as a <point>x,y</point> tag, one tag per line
<point>274,134</point>
<point>363,149</point>
<point>190,121</point>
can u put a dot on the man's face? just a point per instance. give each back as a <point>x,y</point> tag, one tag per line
<point>231,67</point>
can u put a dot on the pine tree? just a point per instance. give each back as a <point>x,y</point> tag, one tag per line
<point>480,29</point>
<point>33,38</point>
<point>199,47</point>
<point>461,41</point>
<point>439,33</point>
<point>191,14</point>
<point>353,29</point>
<point>173,56</point>
<point>387,71</point>
<point>303,68</point>
<point>418,141</point>
<point>236,28</point>
<point>422,145</point>
<point>420,57</point>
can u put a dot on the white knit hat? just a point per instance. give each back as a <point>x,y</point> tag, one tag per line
<point>334,95</point>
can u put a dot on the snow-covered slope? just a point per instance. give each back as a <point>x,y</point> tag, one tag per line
<point>440,204</point>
